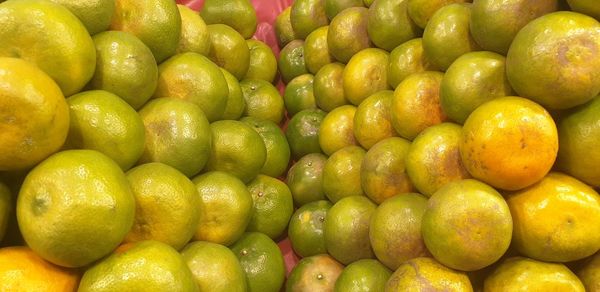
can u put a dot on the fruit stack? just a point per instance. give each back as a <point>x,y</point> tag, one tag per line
<point>395,145</point>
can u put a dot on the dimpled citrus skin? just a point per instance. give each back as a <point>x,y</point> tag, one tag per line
<point>348,33</point>
<point>427,273</point>
<point>365,74</point>
<point>314,273</point>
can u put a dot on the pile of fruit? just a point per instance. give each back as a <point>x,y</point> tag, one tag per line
<point>417,145</point>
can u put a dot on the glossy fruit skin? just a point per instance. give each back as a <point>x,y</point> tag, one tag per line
<point>299,94</point>
<point>291,61</point>
<point>305,179</point>
<point>341,173</point>
<point>305,230</point>
<point>307,15</point>
<point>239,14</point>
<point>314,273</point>
<point>302,132</point>
<point>272,208</point>
<point>406,59</point>
<point>390,25</point>
<point>365,74</point>
<point>366,274</point>
<point>194,33</point>
<point>262,261</point>
<point>348,33</point>
<point>229,49</point>
<point>586,7</point>
<point>328,88</point>
<point>336,129</point>
<point>421,11</point>
<point>263,64</point>
<point>589,275</point>
<point>426,273</point>
<point>372,120</point>
<point>316,51</point>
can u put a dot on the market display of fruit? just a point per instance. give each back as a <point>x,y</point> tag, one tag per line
<point>299,145</point>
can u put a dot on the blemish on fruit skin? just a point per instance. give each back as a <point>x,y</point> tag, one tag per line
<point>244,252</point>
<point>320,277</point>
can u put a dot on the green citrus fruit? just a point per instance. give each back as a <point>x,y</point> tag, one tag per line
<point>333,7</point>
<point>278,149</point>
<point>372,120</point>
<point>284,32</point>
<point>348,34</point>
<point>263,100</point>
<point>365,74</point>
<point>94,14</point>
<point>316,52</point>
<point>299,95</point>
<point>363,275</point>
<point>406,59</point>
<point>239,14</point>
<point>194,33</point>
<point>305,230</point>
<point>337,129</point>
<point>229,49</point>
<point>422,274</point>
<point>305,179</point>
<point>273,206</point>
<point>291,61</point>
<point>421,11</point>
<point>327,87</point>
<point>263,64</point>
<point>262,261</point>
<point>314,273</point>
<point>302,132</point>
<point>342,173</point>
<point>235,106</point>
<point>307,15</point>
<point>389,24</point>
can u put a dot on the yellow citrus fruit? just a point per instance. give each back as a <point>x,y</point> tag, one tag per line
<point>372,120</point>
<point>302,132</point>
<point>145,266</point>
<point>194,33</point>
<point>337,129</point>
<point>470,81</point>
<point>589,273</point>
<point>327,87</point>
<point>177,134</point>
<point>523,274</point>
<point>235,106</point>
<point>284,32</point>
<point>34,116</point>
<point>347,229</point>
<point>194,78</point>
<point>239,14</point>
<point>94,14</point>
<point>561,51</point>
<point>314,273</point>
<point>166,205</point>
<point>365,74</point>
<point>390,25</point>
<point>305,179</point>
<point>587,7</point>
<point>433,159</point>
<point>75,207</point>
<point>125,67</point>
<point>306,16</point>
<point>348,34</point>
<point>406,59</point>
<point>299,94</point>
<point>447,35</point>
<point>305,230</point>
<point>291,61</point>
<point>263,64</point>
<point>333,7</point>
<point>395,229</point>
<point>262,261</point>
<point>425,273</point>
<point>225,207</point>
<point>228,49</point>
<point>421,11</point>
<point>263,100</point>
<point>50,36</point>
<point>100,120</point>
<point>6,207</point>
<point>161,34</point>
<point>467,225</point>
<point>273,206</point>
<point>509,127</point>
<point>555,219</point>
<point>214,267</point>
<point>316,52</point>
<point>278,150</point>
<point>342,173</point>
<point>22,270</point>
<point>365,274</point>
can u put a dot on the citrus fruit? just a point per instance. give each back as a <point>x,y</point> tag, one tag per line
<point>314,273</point>
<point>166,205</point>
<point>193,77</point>
<point>494,23</point>
<point>589,274</point>
<point>467,225</point>
<point>291,61</point>
<point>421,11</point>
<point>263,64</point>
<point>424,273</point>
<point>416,104</point>
<point>51,37</point>
<point>225,207</point>
<point>471,80</point>
<point>316,52</point>
<point>447,35</point>
<point>125,67</point>
<point>238,14</point>
<point>147,265</point>
<point>389,24</point>
<point>523,274</point>
<point>34,116</point>
<point>284,32</point>
<point>6,206</point>
<point>342,173</point>
<point>278,150</point>
<point>262,261</point>
<point>383,170</point>
<point>305,179</point>
<point>327,87</point>
<point>177,134</point>
<point>161,34</point>
<point>509,127</point>
<point>347,229</point>
<point>299,95</point>
<point>363,275</point>
<point>307,15</point>
<point>406,59</point>
<point>263,100</point>
<point>555,219</point>
<point>365,74</point>
<point>395,229</point>
<point>302,132</point>
<point>305,230</point>
<point>235,106</point>
<point>333,7</point>
<point>100,120</point>
<point>194,33</point>
<point>228,49</point>
<point>577,137</point>
<point>586,7</point>
<point>560,46</point>
<point>95,15</point>
<point>368,2</point>
<point>348,34</point>
<point>372,120</point>
<point>337,129</point>
<point>214,267</point>
<point>433,159</point>
<point>21,269</point>
<point>75,207</point>
<point>273,206</point>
